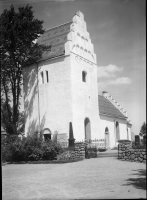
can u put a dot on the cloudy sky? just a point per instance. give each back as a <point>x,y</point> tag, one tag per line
<point>117,29</point>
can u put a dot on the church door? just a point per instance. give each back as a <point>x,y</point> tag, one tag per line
<point>87,129</point>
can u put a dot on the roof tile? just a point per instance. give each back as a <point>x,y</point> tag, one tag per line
<point>56,37</point>
<point>107,108</point>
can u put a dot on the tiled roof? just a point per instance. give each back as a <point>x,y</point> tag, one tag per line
<point>56,37</point>
<point>107,108</point>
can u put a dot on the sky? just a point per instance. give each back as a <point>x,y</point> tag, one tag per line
<point>118,31</point>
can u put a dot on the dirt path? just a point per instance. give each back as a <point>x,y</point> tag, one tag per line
<point>100,178</point>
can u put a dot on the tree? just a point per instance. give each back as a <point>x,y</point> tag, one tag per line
<point>143,130</point>
<point>18,32</point>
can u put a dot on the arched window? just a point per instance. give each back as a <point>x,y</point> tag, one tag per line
<point>106,130</point>
<point>127,134</point>
<point>47,77</point>
<point>117,131</point>
<point>42,78</point>
<point>84,74</point>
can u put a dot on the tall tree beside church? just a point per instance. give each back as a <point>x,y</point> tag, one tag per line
<point>143,130</point>
<point>18,32</point>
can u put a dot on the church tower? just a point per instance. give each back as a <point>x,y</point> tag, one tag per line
<point>62,87</point>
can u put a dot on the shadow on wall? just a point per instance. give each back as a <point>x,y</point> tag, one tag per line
<point>34,126</point>
<point>30,88</point>
<point>31,92</point>
<point>140,182</point>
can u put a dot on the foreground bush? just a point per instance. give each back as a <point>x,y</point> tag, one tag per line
<point>31,148</point>
<point>140,146</point>
<point>66,155</point>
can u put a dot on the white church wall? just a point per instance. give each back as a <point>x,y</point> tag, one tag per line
<point>106,121</point>
<point>52,107</point>
<point>123,129</point>
<point>84,97</point>
<point>30,88</point>
<point>129,132</point>
<point>55,96</point>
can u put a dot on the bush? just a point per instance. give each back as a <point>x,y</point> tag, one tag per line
<point>31,148</point>
<point>139,146</point>
<point>102,149</point>
<point>12,149</point>
<point>65,155</point>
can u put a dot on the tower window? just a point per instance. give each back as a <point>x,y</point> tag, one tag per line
<point>84,74</point>
<point>47,78</point>
<point>42,78</point>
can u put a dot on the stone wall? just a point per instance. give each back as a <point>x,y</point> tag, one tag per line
<point>126,152</point>
<point>78,151</point>
<point>83,150</point>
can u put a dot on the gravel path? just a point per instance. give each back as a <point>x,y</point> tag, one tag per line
<point>96,178</point>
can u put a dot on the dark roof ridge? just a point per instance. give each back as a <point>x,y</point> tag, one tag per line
<point>57,26</point>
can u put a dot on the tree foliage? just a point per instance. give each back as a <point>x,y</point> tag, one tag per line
<point>143,130</point>
<point>18,32</point>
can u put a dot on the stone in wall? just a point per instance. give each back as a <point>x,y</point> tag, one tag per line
<point>141,155</point>
<point>132,157</point>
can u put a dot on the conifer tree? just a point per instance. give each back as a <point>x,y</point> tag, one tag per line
<point>143,130</point>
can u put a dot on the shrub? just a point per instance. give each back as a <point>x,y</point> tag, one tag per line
<point>141,146</point>
<point>12,149</point>
<point>31,148</point>
<point>102,149</point>
<point>65,155</point>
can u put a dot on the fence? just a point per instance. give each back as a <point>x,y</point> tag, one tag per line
<point>99,143</point>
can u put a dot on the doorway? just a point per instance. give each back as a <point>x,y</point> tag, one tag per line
<point>107,139</point>
<point>87,126</point>
<point>47,134</point>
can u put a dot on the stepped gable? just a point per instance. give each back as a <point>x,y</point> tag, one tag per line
<point>107,108</point>
<point>70,37</point>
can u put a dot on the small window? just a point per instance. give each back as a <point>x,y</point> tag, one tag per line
<point>47,78</point>
<point>42,78</point>
<point>84,74</point>
<point>106,130</point>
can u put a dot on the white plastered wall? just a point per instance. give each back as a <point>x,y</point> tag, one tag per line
<point>30,88</point>
<point>51,106</point>
<point>108,121</point>
<point>84,98</point>
<point>84,94</point>
<point>129,131</point>
<point>55,96</point>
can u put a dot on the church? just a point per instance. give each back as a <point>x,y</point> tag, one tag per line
<point>62,89</point>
